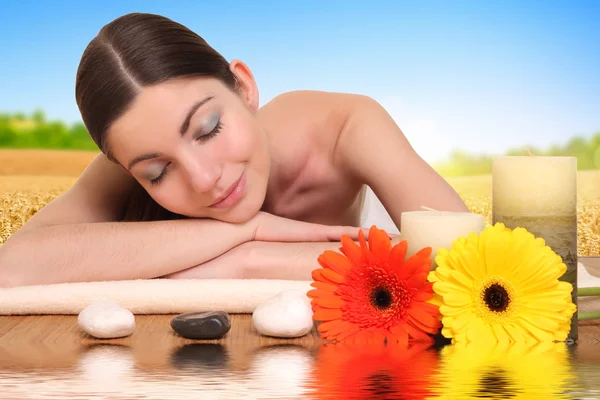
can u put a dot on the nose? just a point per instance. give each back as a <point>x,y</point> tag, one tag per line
<point>203,175</point>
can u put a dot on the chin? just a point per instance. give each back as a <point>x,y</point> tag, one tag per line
<point>243,211</point>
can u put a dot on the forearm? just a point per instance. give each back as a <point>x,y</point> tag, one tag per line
<point>265,260</point>
<point>262,260</point>
<point>294,261</point>
<point>115,250</point>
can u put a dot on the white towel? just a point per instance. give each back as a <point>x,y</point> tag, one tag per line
<point>165,296</point>
<point>147,296</point>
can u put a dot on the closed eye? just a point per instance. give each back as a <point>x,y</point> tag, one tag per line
<point>205,136</point>
<point>162,175</point>
<point>201,137</point>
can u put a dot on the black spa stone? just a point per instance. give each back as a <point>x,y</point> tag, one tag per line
<point>202,325</point>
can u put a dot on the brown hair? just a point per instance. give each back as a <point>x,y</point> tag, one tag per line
<point>133,51</point>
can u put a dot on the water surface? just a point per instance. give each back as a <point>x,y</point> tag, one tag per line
<point>290,371</point>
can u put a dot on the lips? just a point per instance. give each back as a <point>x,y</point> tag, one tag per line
<point>227,192</point>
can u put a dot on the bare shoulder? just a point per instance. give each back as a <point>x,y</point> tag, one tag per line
<point>314,104</point>
<point>309,114</point>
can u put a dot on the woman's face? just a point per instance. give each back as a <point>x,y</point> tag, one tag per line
<point>196,147</point>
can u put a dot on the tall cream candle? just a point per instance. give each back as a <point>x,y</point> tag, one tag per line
<point>539,194</point>
<point>437,229</point>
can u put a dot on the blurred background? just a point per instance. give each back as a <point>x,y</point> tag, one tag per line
<point>465,81</point>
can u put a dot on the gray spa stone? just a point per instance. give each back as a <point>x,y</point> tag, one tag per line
<point>202,325</point>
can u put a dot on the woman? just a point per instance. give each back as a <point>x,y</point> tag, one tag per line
<point>196,181</point>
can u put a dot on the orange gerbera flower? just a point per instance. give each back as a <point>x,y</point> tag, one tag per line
<point>371,293</point>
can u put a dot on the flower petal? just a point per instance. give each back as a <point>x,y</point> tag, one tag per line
<point>417,280</point>
<point>351,250</point>
<point>344,330</point>
<point>423,295</point>
<point>335,261</point>
<point>426,321</point>
<point>380,244</point>
<point>367,336</point>
<point>444,288</point>
<point>535,331</point>
<point>329,287</point>
<point>333,276</point>
<point>327,314</point>
<point>397,256</point>
<point>477,331</point>
<point>317,275</point>
<point>427,307</point>
<point>462,321</point>
<point>515,333</point>
<point>457,298</point>
<point>452,311</point>
<point>329,301</point>
<point>496,245</point>
<point>368,255</point>
<point>328,325</point>
<point>411,266</point>
<point>360,337</point>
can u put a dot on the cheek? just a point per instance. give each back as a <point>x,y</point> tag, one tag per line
<point>241,141</point>
<point>172,198</point>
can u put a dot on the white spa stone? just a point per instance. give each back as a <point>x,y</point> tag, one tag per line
<point>286,315</point>
<point>106,319</point>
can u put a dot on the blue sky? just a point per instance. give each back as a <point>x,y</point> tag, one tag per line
<point>479,76</point>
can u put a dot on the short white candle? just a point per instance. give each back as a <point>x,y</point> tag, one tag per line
<point>539,193</point>
<point>437,229</point>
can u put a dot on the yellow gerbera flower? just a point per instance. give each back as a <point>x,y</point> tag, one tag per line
<point>475,370</point>
<point>502,285</point>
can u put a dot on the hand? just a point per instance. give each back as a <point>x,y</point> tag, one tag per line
<point>271,228</point>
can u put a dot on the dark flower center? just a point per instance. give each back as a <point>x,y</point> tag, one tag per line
<point>381,298</point>
<point>496,297</point>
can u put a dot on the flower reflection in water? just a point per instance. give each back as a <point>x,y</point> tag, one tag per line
<point>476,370</point>
<point>374,371</point>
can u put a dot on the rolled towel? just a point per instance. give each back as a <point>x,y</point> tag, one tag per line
<point>146,296</point>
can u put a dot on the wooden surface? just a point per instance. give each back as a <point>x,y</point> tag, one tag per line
<point>54,349</point>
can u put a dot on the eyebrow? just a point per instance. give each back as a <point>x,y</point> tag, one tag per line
<point>182,130</point>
